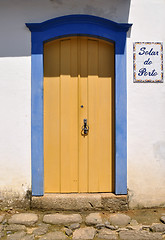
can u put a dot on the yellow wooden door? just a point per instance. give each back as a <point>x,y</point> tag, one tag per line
<point>78,85</point>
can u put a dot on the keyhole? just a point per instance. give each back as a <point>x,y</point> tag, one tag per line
<point>82,106</point>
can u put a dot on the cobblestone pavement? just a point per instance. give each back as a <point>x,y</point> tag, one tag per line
<point>32,225</point>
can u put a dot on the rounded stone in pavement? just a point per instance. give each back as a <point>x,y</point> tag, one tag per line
<point>40,230</point>
<point>74,226</point>
<point>54,236</point>
<point>68,232</point>
<point>107,234</point>
<point>139,235</point>
<point>157,227</point>
<point>120,220</point>
<point>62,219</point>
<point>93,219</point>
<point>27,219</point>
<point>86,233</point>
<point>16,236</point>
<point>15,227</point>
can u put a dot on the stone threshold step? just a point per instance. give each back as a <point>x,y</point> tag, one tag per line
<point>80,201</point>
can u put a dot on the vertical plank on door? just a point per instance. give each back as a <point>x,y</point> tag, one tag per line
<point>83,148</point>
<point>69,119</point>
<point>104,120</point>
<point>51,118</point>
<point>93,116</point>
<point>75,114</point>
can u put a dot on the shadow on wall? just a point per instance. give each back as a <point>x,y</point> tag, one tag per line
<point>15,38</point>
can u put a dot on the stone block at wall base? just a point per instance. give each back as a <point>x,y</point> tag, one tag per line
<point>81,201</point>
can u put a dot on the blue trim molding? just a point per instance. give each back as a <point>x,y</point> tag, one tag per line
<point>68,26</point>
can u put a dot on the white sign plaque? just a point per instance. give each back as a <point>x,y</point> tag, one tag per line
<point>148,61</point>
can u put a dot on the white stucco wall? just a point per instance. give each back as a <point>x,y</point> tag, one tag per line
<point>146,114</point>
<point>15,125</point>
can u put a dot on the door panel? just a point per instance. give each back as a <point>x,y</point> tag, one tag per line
<point>78,84</point>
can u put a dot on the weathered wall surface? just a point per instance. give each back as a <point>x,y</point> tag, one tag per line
<point>146,114</point>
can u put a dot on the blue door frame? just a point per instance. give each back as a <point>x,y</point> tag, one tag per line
<point>67,26</point>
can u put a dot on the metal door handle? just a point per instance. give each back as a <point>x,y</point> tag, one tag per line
<point>85,128</point>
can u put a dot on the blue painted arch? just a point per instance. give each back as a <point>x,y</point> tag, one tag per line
<point>67,26</point>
